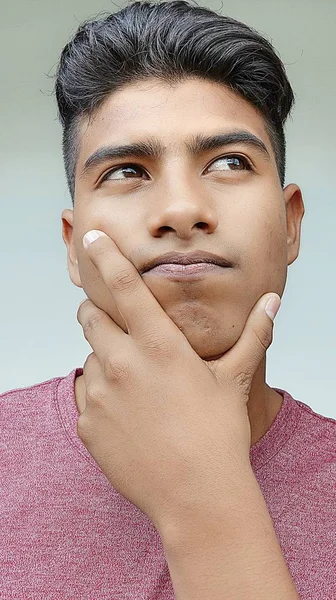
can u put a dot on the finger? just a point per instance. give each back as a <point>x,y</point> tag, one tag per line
<point>110,344</point>
<point>91,372</point>
<point>135,302</point>
<point>245,356</point>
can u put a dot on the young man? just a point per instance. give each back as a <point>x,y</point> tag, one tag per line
<point>167,467</point>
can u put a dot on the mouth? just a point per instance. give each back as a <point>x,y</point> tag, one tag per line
<point>188,266</point>
<point>191,272</point>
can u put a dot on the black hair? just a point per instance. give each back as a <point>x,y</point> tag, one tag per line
<point>168,41</point>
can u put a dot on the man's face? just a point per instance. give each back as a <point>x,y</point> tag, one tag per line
<point>226,200</point>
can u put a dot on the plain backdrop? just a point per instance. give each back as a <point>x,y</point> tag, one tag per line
<point>40,336</point>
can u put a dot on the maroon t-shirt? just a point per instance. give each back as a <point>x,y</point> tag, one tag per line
<point>66,533</point>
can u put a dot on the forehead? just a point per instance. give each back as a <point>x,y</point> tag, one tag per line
<point>169,112</point>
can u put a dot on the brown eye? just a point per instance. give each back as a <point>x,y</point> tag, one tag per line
<point>231,163</point>
<point>124,172</point>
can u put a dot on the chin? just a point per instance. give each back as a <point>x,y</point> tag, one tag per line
<point>208,345</point>
<point>208,354</point>
<point>209,336</point>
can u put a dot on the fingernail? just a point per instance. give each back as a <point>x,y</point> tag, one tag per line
<point>91,236</point>
<point>272,306</point>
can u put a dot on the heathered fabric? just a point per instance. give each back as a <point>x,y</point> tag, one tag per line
<point>67,534</point>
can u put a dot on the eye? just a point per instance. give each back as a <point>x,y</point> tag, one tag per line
<point>231,163</point>
<point>129,171</point>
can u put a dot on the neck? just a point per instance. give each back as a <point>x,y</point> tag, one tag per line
<point>263,405</point>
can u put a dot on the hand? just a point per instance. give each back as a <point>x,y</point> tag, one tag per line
<point>169,430</point>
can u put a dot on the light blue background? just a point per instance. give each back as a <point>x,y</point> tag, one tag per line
<point>40,336</point>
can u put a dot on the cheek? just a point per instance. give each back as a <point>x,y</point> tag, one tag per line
<point>266,249</point>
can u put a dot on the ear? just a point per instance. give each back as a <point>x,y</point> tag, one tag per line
<point>294,212</point>
<point>68,238</point>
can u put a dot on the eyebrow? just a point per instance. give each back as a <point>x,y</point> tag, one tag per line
<point>152,148</point>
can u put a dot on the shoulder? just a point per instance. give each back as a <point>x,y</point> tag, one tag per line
<point>19,394</point>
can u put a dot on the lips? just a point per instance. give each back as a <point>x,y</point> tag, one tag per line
<point>178,258</point>
<point>191,272</point>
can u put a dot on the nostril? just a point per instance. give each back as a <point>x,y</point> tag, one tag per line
<point>202,225</point>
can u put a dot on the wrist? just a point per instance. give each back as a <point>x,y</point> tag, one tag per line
<point>219,514</point>
<point>237,556</point>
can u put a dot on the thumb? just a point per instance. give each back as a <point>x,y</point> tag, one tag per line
<point>243,359</point>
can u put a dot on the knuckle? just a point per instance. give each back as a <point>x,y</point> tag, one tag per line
<point>159,344</point>
<point>242,380</point>
<point>124,279</point>
<point>95,395</point>
<point>91,324</point>
<point>82,307</point>
<point>89,359</point>
<point>93,390</point>
<point>83,427</point>
<point>264,337</point>
<point>155,344</point>
<point>79,313</point>
<point>116,369</point>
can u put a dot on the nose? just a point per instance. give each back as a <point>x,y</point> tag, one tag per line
<point>183,215</point>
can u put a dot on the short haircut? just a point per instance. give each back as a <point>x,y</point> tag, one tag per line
<point>169,41</point>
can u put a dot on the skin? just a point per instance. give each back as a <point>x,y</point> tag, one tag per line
<point>172,435</point>
<point>188,203</point>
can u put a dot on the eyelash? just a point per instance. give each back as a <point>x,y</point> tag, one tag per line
<point>245,161</point>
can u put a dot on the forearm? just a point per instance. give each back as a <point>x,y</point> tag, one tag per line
<point>237,557</point>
